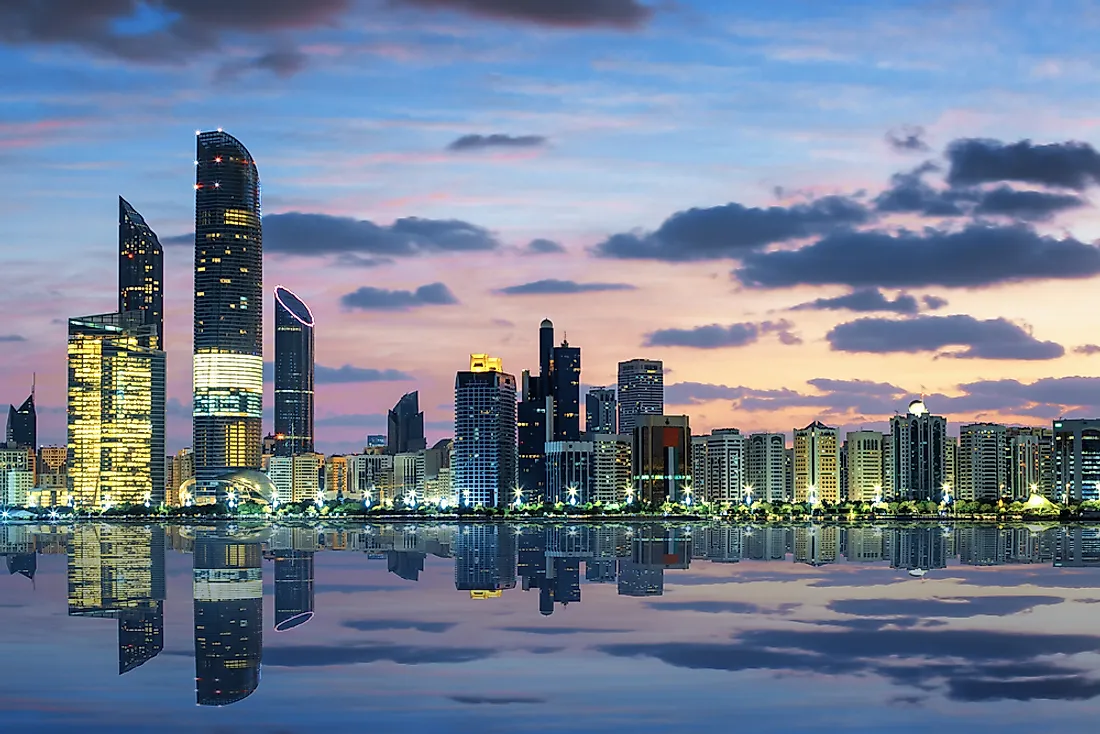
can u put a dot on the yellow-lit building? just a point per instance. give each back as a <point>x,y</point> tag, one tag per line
<point>114,567</point>
<point>336,477</point>
<point>116,402</point>
<point>183,469</point>
<point>816,464</point>
<point>51,459</point>
<point>865,480</point>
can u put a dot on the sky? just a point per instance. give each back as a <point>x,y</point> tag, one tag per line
<point>807,210</point>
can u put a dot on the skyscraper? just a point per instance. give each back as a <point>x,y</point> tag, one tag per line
<point>864,466</point>
<point>565,388</point>
<point>228,344</point>
<point>140,268</point>
<point>405,425</point>
<point>983,462</point>
<point>293,375</point>
<point>661,458</point>
<point>726,459</point>
<point>22,431</point>
<point>816,464</point>
<point>1077,460</point>
<point>918,454</point>
<point>1031,462</point>
<point>600,411</point>
<point>767,466</point>
<point>116,404</point>
<point>484,461</point>
<point>641,391</point>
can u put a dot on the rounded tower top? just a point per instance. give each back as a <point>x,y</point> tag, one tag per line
<point>293,305</point>
<point>546,324</point>
<point>917,408</point>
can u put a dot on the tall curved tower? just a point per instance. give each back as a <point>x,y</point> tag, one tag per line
<point>228,362</point>
<point>140,268</point>
<point>293,375</point>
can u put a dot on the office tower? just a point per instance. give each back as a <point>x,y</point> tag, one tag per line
<point>22,430</point>
<point>767,466</point>
<point>1031,462</point>
<point>293,375</point>
<point>569,472</point>
<point>535,419</point>
<point>438,484</point>
<point>1077,460</point>
<point>726,459</point>
<point>565,388</point>
<point>610,467</point>
<point>370,476</point>
<point>661,458</point>
<point>788,471</point>
<point>293,588</point>
<point>484,460</point>
<point>918,454</point>
<point>950,462</point>
<point>405,425</point>
<point>983,463</point>
<point>335,479</point>
<point>408,477</point>
<point>699,467</point>
<point>641,391</point>
<point>485,559</point>
<point>52,458</point>
<point>229,616</point>
<point>601,411</point>
<point>296,478</point>
<point>864,466</point>
<point>16,475</point>
<point>140,269</point>
<point>183,469</point>
<point>816,464</point>
<point>228,343</point>
<point>116,404</point>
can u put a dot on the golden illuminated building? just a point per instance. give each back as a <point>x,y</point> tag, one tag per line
<point>336,477</point>
<point>816,464</point>
<point>52,459</point>
<point>485,363</point>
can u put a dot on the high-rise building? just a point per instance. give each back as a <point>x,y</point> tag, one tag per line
<point>565,388</point>
<point>484,461</point>
<point>1031,462</point>
<point>140,268</point>
<point>816,464</point>
<point>183,469</point>
<point>610,467</point>
<point>918,454</point>
<point>293,375</point>
<point>22,429</point>
<point>661,458</point>
<point>726,466</point>
<point>370,476</point>
<point>485,559</point>
<point>1077,460</point>
<point>408,476</point>
<point>296,478</point>
<point>766,467</point>
<point>864,466</point>
<point>228,342</point>
<point>950,463</point>
<point>699,467</point>
<point>405,425</point>
<point>569,471</point>
<point>983,462</point>
<point>641,391</point>
<point>116,410</point>
<point>601,411</point>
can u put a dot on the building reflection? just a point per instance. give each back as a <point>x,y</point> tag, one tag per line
<point>485,559</point>
<point>228,594</point>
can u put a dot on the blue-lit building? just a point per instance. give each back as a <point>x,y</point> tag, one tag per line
<point>293,375</point>
<point>483,465</point>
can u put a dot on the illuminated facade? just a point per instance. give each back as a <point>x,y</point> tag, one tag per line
<point>816,464</point>
<point>983,472</point>
<point>601,411</point>
<point>661,458</point>
<point>228,343</point>
<point>641,391</point>
<point>918,454</point>
<point>569,472</point>
<point>1077,460</point>
<point>484,461</point>
<point>140,268</point>
<point>726,459</point>
<point>293,375</point>
<point>865,480</point>
<point>116,403</point>
<point>610,467</point>
<point>767,462</point>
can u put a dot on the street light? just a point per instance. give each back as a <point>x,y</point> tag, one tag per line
<point>572,491</point>
<point>687,495</point>
<point>518,493</point>
<point>748,494</point>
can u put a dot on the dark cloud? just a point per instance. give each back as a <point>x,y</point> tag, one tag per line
<point>543,247</point>
<point>377,625</point>
<point>187,27</point>
<point>694,393</point>
<point>722,607</point>
<point>320,656</point>
<point>283,62</point>
<point>1072,165</point>
<point>623,14</point>
<point>380,299</point>
<point>934,303</point>
<point>716,336</point>
<point>951,607</point>
<point>865,300</point>
<point>348,374</point>
<point>989,339</point>
<point>355,588</point>
<point>1087,349</point>
<point>496,700</point>
<point>9,338</point>
<point>563,630</point>
<point>732,230</point>
<point>979,255</point>
<point>551,286</point>
<point>1071,687</point>
<point>296,233</point>
<point>482,142</point>
<point>1032,206</point>
<point>907,139</point>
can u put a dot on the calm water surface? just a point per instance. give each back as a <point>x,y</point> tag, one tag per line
<point>549,628</point>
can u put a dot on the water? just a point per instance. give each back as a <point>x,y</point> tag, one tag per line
<point>549,628</point>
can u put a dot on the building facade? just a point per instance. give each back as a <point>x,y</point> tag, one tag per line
<point>1077,460</point>
<point>610,467</point>
<point>767,476</point>
<point>661,458</point>
<point>22,428</point>
<point>484,460</point>
<point>918,454</point>
<point>140,268</point>
<point>293,375</point>
<point>569,472</point>
<point>983,463</point>
<point>816,464</point>
<point>1031,462</point>
<point>405,426</point>
<point>601,411</point>
<point>865,480</point>
<point>726,466</point>
<point>641,391</point>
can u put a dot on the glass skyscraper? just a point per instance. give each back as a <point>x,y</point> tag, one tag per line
<point>484,461</point>
<point>140,268</point>
<point>116,407</point>
<point>228,344</point>
<point>405,426</point>
<point>293,375</point>
<point>641,391</point>
<point>22,428</point>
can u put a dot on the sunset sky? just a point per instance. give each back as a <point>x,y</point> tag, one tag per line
<point>806,209</point>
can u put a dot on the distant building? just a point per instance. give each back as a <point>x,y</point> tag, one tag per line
<point>405,426</point>
<point>610,467</point>
<point>766,467</point>
<point>661,458</point>
<point>699,467</point>
<point>370,476</point>
<point>22,429</point>
<point>183,469</point>
<point>569,471</point>
<point>641,391</point>
<point>408,476</point>
<point>601,411</point>
<point>726,466</point>
<point>296,478</point>
<point>918,454</point>
<point>484,460</point>
<point>1077,460</point>
<point>983,462</point>
<point>294,394</point>
<point>1031,462</point>
<point>140,268</point>
<point>816,464</point>
<point>865,479</point>
<point>375,441</point>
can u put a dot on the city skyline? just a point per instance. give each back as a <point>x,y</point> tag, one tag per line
<point>420,217</point>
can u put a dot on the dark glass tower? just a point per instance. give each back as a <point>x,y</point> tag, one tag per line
<point>293,589</point>
<point>228,364</point>
<point>406,426</point>
<point>23,424</point>
<point>566,389</point>
<point>293,375</point>
<point>140,268</point>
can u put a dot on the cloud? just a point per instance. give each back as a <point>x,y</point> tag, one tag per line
<point>988,339</point>
<point>1071,165</point>
<point>1032,206</point>
<point>348,374</point>
<point>380,299</point>
<point>296,233</point>
<point>496,700</point>
<point>870,299</point>
<point>561,287</point>
<point>934,302</point>
<point>386,625</point>
<point>907,139</point>
<point>321,656</point>
<point>283,62</point>
<point>10,338</point>
<point>694,393</point>
<point>732,230</point>
<point>979,255</point>
<point>1087,349</point>
<point>722,607</point>
<point>352,420</point>
<point>622,14</point>
<point>468,143</point>
<point>716,336</point>
<point>563,630</point>
<point>543,247</point>
<point>950,607</point>
<point>160,31</point>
